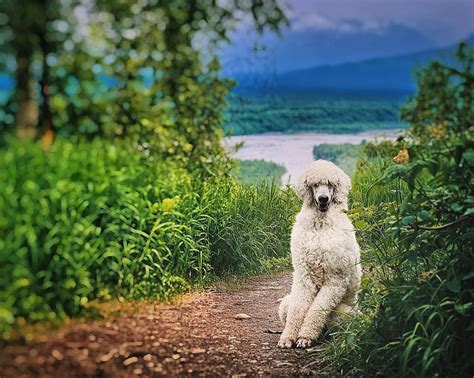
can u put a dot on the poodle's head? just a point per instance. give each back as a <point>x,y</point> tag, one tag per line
<point>323,184</point>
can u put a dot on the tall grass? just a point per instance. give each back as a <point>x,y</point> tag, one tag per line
<point>250,225</point>
<point>95,220</point>
<point>254,172</point>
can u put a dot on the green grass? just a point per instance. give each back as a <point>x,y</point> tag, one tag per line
<point>333,112</point>
<point>344,155</point>
<point>96,220</point>
<point>254,172</point>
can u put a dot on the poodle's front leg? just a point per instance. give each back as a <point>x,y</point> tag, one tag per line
<point>299,301</point>
<point>319,312</point>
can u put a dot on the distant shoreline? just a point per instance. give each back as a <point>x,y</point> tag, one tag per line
<point>295,151</point>
<point>311,133</point>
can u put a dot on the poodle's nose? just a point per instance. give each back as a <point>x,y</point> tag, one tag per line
<point>323,199</point>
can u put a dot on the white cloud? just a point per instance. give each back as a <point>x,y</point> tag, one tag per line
<point>311,21</point>
<point>314,21</point>
<point>444,20</point>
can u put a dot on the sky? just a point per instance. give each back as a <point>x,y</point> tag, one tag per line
<point>444,21</point>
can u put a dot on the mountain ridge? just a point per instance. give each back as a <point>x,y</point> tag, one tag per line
<point>392,73</point>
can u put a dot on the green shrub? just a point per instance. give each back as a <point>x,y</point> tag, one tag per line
<point>414,215</point>
<point>96,220</point>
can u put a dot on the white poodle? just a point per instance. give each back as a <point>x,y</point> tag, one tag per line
<point>325,257</point>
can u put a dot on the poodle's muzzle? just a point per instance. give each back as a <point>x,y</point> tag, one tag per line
<point>322,195</point>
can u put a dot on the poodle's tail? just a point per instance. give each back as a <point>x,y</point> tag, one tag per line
<point>283,309</point>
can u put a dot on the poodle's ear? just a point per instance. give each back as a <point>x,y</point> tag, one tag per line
<point>342,188</point>
<point>302,188</point>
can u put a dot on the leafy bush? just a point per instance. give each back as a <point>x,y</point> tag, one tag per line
<point>258,171</point>
<point>415,220</point>
<point>93,220</point>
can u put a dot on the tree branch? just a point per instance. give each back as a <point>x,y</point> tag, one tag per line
<point>442,227</point>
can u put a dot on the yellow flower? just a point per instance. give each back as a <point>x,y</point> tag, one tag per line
<point>424,276</point>
<point>437,131</point>
<point>402,157</point>
<point>169,203</point>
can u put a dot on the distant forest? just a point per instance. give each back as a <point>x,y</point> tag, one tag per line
<point>317,111</point>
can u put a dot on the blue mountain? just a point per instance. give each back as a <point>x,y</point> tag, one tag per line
<point>394,73</point>
<point>299,49</point>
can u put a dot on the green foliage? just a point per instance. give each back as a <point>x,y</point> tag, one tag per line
<point>95,220</point>
<point>143,70</point>
<point>337,112</point>
<point>251,224</point>
<point>344,155</point>
<point>259,171</point>
<point>415,223</point>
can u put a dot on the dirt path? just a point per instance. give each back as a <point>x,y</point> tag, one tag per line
<point>198,336</point>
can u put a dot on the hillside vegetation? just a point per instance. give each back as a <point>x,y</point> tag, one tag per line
<point>324,111</point>
<point>412,204</point>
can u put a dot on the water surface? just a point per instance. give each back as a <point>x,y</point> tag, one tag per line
<point>295,151</point>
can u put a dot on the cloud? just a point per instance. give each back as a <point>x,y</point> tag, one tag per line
<point>311,21</point>
<point>446,21</point>
<point>314,21</point>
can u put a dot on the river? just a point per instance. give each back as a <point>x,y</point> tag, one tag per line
<point>295,151</point>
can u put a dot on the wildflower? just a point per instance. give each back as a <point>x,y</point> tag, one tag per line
<point>169,203</point>
<point>437,131</point>
<point>424,276</point>
<point>402,157</point>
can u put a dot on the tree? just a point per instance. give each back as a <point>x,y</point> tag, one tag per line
<point>34,39</point>
<point>22,23</point>
<point>130,69</point>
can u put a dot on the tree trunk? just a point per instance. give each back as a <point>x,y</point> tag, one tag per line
<point>46,117</point>
<point>26,117</point>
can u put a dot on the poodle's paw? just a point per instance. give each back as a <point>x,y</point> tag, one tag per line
<point>286,342</point>
<point>304,342</point>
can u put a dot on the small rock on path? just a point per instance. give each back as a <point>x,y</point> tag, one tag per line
<point>198,335</point>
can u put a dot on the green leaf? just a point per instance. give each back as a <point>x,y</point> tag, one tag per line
<point>454,286</point>
<point>360,224</point>
<point>463,308</point>
<point>469,157</point>
<point>456,207</point>
<point>408,220</point>
<point>468,276</point>
<point>424,215</point>
<point>469,211</point>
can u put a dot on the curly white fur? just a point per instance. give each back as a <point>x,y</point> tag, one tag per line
<point>325,257</point>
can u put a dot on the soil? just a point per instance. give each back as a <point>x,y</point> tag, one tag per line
<point>198,335</point>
